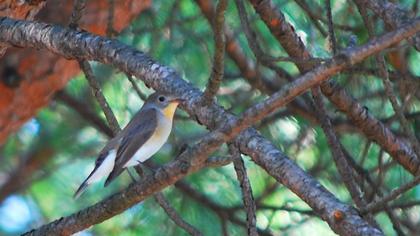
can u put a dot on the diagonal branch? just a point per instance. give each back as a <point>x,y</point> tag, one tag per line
<point>343,166</point>
<point>246,189</point>
<point>97,92</point>
<point>82,44</point>
<point>171,212</point>
<point>392,14</point>
<point>225,213</point>
<point>382,202</point>
<point>76,15</point>
<point>218,60</point>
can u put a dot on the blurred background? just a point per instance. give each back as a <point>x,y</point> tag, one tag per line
<point>44,157</point>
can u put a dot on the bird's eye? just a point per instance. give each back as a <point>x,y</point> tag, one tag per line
<point>161,98</point>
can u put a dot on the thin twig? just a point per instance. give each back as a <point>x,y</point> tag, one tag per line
<point>171,212</point>
<point>166,206</point>
<point>331,33</point>
<point>218,60</point>
<point>380,203</point>
<point>110,21</point>
<point>97,92</point>
<point>141,95</point>
<point>246,189</point>
<point>218,161</point>
<point>76,15</point>
<point>249,34</point>
<point>314,17</point>
<point>225,214</point>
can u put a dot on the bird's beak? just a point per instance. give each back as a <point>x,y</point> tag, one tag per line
<point>177,100</point>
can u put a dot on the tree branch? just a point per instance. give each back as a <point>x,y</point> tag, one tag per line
<point>343,166</point>
<point>392,14</point>
<point>218,60</point>
<point>76,15</point>
<point>246,189</point>
<point>171,212</point>
<point>382,202</point>
<point>97,92</point>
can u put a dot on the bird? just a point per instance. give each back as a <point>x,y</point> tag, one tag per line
<point>140,139</point>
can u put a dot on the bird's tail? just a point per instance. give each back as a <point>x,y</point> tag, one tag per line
<point>81,189</point>
<point>87,181</point>
<point>114,174</point>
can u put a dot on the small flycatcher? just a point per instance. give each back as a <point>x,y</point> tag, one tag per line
<point>143,136</point>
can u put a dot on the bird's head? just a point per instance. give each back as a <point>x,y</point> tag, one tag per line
<point>164,102</point>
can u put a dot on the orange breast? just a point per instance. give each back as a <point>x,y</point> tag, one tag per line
<point>169,111</point>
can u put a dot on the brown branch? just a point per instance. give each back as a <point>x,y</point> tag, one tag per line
<point>77,12</point>
<point>247,197</point>
<point>141,95</point>
<point>97,92</point>
<point>218,161</point>
<point>339,158</point>
<point>110,32</point>
<point>219,47</point>
<point>381,203</point>
<point>314,18</point>
<point>171,212</point>
<point>369,125</point>
<point>69,43</point>
<point>76,15</point>
<point>225,213</point>
<point>392,14</point>
<point>331,33</point>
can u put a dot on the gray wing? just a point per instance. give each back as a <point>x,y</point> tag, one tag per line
<point>135,134</point>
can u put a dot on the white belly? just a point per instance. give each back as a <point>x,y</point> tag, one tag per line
<point>153,144</point>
